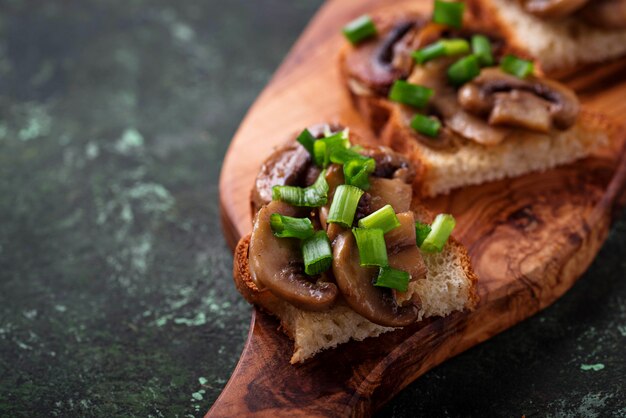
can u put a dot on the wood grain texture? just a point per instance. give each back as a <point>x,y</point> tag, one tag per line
<point>529,238</point>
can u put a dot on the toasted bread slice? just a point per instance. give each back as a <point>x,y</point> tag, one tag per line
<point>450,285</point>
<point>559,45</point>
<point>466,162</point>
<point>446,284</point>
<point>440,171</point>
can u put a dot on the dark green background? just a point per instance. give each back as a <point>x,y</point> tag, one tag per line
<point>116,296</point>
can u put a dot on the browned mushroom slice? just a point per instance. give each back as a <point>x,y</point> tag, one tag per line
<point>286,166</point>
<point>390,164</point>
<point>402,236</point>
<point>409,260</point>
<point>492,94</point>
<point>446,105</point>
<point>355,282</point>
<point>276,263</point>
<point>607,14</point>
<point>392,192</point>
<point>552,8</point>
<point>370,66</point>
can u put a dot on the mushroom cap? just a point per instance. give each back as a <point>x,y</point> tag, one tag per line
<point>456,120</point>
<point>374,65</point>
<point>355,282</point>
<point>276,263</point>
<point>493,94</point>
<point>285,166</point>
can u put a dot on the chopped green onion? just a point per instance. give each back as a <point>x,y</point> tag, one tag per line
<point>443,47</point>
<point>343,155</point>
<point>517,66</point>
<point>463,70</point>
<point>384,218</point>
<point>289,227</point>
<point>313,196</point>
<point>319,153</point>
<point>371,245</point>
<point>307,140</point>
<point>356,172</point>
<point>449,13</point>
<point>359,29</point>
<point>481,47</point>
<point>317,253</point>
<point>426,125</point>
<point>323,148</point>
<point>410,94</point>
<point>441,228</point>
<point>345,202</point>
<point>393,279</point>
<point>421,232</point>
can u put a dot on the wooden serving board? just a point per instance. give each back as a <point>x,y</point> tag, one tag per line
<point>529,238</point>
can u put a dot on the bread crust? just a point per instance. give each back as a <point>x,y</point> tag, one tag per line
<point>571,30</point>
<point>591,132</point>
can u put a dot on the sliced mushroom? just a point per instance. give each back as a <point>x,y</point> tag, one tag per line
<point>402,236</point>
<point>276,263</point>
<point>390,164</point>
<point>607,14</point>
<point>286,166</point>
<point>552,8</point>
<point>493,91</point>
<point>355,282</point>
<point>370,66</point>
<point>445,104</point>
<point>392,192</point>
<point>409,260</point>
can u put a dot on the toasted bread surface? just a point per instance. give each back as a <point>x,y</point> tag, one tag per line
<point>559,45</point>
<point>522,152</point>
<point>450,285</point>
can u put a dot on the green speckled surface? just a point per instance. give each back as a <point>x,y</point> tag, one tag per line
<point>116,296</point>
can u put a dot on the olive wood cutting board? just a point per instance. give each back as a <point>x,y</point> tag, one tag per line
<point>529,238</point>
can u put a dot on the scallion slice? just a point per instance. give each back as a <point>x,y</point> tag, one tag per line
<point>481,47</point>
<point>313,196</point>
<point>356,172</point>
<point>423,124</point>
<point>410,94</point>
<point>517,66</point>
<point>449,13</point>
<point>443,47</point>
<point>464,70</point>
<point>421,232</point>
<point>441,228</point>
<point>319,153</point>
<point>384,218</point>
<point>317,253</point>
<point>371,245</point>
<point>307,140</point>
<point>359,29</point>
<point>342,155</point>
<point>290,227</point>
<point>393,279</point>
<point>323,148</point>
<point>343,207</point>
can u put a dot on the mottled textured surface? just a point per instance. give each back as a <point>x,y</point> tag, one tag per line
<point>116,296</point>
